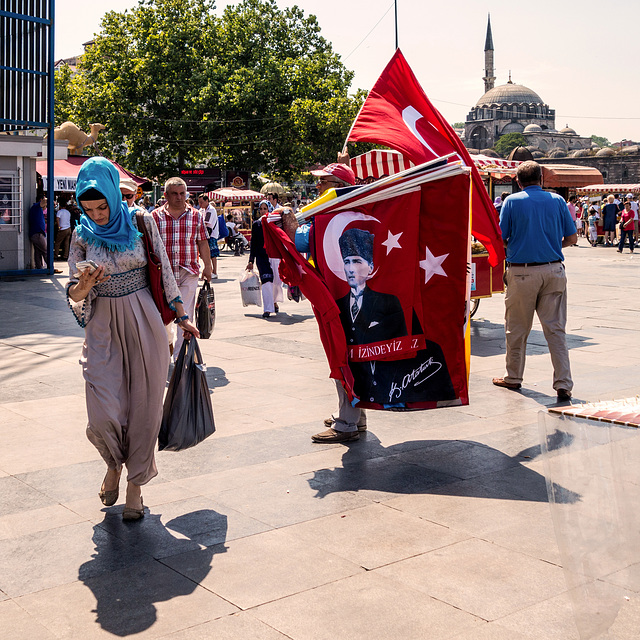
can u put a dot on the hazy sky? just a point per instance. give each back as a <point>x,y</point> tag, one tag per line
<point>577,55</point>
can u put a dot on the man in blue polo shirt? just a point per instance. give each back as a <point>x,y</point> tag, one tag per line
<point>536,226</point>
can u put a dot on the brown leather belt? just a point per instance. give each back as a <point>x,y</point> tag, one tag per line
<point>530,264</point>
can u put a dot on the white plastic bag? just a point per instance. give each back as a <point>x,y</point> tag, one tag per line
<point>250,289</point>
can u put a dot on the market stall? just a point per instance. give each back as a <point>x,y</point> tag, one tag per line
<point>237,202</point>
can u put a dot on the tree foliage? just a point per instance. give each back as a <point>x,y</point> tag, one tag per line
<point>601,141</point>
<point>258,88</point>
<point>508,142</point>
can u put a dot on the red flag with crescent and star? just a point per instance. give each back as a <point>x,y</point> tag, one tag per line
<point>398,114</point>
<point>398,318</point>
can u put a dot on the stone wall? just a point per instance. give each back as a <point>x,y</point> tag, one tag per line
<point>620,169</point>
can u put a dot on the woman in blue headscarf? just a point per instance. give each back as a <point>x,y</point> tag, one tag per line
<point>267,267</point>
<point>125,356</point>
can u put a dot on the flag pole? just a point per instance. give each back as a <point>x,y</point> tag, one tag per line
<point>396,12</point>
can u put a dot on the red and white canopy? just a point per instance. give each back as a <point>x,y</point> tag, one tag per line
<point>599,189</point>
<point>489,163</point>
<point>65,172</point>
<point>235,195</point>
<point>378,163</point>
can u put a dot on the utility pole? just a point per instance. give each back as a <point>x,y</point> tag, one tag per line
<point>396,11</point>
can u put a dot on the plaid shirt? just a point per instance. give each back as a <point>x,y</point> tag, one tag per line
<point>181,237</point>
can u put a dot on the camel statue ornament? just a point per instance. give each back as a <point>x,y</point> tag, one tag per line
<point>76,137</point>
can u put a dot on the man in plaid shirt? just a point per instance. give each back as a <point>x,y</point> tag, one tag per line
<point>185,238</point>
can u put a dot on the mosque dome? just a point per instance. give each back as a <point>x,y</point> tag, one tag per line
<point>490,153</point>
<point>537,154</point>
<point>632,149</point>
<point>558,153</point>
<point>606,152</point>
<point>568,130</point>
<point>533,128</point>
<point>509,93</point>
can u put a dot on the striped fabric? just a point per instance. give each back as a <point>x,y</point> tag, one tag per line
<point>378,163</point>
<point>181,238</point>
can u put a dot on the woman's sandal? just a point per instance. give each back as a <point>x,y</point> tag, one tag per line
<point>109,498</point>
<point>130,513</point>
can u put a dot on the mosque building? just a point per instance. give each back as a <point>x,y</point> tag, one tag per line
<point>514,108</point>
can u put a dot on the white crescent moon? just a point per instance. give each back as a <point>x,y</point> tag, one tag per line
<point>334,230</point>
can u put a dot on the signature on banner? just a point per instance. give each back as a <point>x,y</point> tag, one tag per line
<point>419,375</point>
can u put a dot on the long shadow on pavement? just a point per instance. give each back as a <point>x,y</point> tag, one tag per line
<point>126,597</point>
<point>424,466</point>
<point>487,339</point>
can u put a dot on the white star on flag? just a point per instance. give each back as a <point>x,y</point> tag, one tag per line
<point>432,265</point>
<point>392,241</point>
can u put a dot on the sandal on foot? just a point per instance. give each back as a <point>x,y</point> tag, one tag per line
<point>109,498</point>
<point>130,513</point>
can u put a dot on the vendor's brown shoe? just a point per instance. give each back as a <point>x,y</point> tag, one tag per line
<point>331,435</point>
<point>501,382</point>
<point>329,422</point>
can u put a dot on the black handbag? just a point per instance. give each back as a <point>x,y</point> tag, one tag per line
<point>206,311</point>
<point>187,414</point>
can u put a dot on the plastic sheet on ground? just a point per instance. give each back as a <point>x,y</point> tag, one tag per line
<point>598,533</point>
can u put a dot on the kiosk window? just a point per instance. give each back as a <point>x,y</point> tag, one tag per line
<point>10,200</point>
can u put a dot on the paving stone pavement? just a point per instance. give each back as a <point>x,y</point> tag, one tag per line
<point>434,525</point>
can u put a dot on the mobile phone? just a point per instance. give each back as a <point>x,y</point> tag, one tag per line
<point>86,264</point>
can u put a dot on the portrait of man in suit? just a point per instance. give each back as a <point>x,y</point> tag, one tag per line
<point>367,316</point>
<point>370,316</point>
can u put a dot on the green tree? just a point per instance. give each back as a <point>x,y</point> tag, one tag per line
<point>63,104</point>
<point>508,142</point>
<point>258,88</point>
<point>600,141</point>
<point>458,125</point>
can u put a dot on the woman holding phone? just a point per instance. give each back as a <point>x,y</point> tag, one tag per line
<point>125,356</point>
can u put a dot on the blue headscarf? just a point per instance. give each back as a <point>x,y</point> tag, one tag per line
<point>119,234</point>
<point>269,205</point>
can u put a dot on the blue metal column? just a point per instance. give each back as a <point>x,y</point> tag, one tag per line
<point>50,139</point>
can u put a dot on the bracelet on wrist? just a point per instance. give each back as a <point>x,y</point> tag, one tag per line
<point>181,319</point>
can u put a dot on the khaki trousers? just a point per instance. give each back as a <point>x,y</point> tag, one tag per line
<point>542,289</point>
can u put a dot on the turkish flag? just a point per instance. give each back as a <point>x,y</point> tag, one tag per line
<point>398,114</point>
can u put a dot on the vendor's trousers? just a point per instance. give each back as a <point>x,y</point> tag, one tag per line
<point>542,289</point>
<point>349,418</point>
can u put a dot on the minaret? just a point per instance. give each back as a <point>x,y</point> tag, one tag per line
<point>489,78</point>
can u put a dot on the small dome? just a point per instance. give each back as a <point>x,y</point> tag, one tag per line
<point>558,153</point>
<point>568,130</point>
<point>595,147</point>
<point>509,93</point>
<point>634,148</point>
<point>581,153</point>
<point>552,130</point>
<point>606,152</point>
<point>522,154</point>
<point>537,154</point>
<point>489,152</point>
<point>533,128</point>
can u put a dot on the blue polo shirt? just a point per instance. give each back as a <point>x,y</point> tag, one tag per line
<point>534,222</point>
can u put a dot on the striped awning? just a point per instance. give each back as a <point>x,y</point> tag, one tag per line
<point>599,189</point>
<point>235,195</point>
<point>378,163</point>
